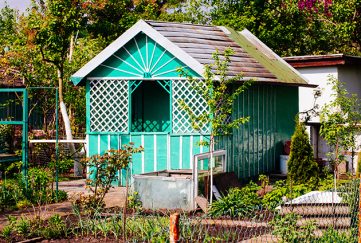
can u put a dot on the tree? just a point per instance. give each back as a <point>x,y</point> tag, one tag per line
<point>295,27</point>
<point>302,166</point>
<point>339,122</point>
<point>219,92</point>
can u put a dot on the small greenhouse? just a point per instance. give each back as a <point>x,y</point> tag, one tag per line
<point>133,89</point>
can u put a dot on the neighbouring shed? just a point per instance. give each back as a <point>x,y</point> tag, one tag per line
<point>133,88</point>
<point>318,69</point>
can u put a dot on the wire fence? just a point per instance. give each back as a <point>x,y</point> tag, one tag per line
<point>317,216</point>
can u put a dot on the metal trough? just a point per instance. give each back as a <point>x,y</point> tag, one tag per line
<point>167,189</point>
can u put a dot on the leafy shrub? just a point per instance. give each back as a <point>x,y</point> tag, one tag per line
<point>103,172</point>
<point>134,201</point>
<point>302,166</point>
<point>331,236</point>
<point>283,191</point>
<point>237,203</point>
<point>64,165</point>
<point>56,228</point>
<point>285,227</point>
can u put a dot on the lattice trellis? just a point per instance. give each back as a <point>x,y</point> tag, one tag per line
<point>109,106</point>
<point>182,90</point>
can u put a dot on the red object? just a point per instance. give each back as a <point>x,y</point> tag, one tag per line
<point>287,147</point>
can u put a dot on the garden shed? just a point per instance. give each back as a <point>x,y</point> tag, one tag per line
<point>133,88</point>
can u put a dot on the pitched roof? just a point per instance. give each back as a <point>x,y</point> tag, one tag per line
<point>195,44</point>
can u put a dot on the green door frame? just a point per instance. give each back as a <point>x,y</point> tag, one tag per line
<point>24,123</point>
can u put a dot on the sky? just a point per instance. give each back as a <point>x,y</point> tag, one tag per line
<point>21,5</point>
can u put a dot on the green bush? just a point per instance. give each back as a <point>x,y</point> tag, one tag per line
<point>302,166</point>
<point>64,165</point>
<point>237,203</point>
<point>283,190</point>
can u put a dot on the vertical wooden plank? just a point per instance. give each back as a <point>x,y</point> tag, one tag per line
<point>93,144</point>
<point>174,157</point>
<point>103,143</point>
<point>149,155</point>
<point>162,152</point>
<point>155,163</point>
<point>137,158</point>
<point>185,152</point>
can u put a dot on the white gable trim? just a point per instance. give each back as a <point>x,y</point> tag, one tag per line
<point>140,26</point>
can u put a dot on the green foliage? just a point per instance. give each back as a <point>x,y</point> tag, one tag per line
<point>134,202</point>
<point>64,165</point>
<point>332,235</point>
<point>358,169</point>
<point>283,191</point>
<point>219,91</point>
<point>237,203</point>
<point>56,228</point>
<point>103,172</point>
<point>302,166</point>
<point>7,138</point>
<point>285,227</point>
<point>339,122</point>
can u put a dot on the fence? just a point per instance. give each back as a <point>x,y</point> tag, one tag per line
<point>317,216</point>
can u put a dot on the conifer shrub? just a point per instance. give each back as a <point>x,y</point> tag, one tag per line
<point>302,167</point>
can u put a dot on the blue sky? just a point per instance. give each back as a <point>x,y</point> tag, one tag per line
<point>21,5</point>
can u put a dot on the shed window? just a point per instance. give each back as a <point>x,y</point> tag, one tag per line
<point>150,107</point>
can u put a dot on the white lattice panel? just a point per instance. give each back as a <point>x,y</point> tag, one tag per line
<point>182,90</point>
<point>109,106</point>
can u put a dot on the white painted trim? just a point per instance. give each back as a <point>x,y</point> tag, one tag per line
<point>108,141</point>
<point>86,141</point>
<point>191,151</point>
<point>155,152</point>
<point>134,78</point>
<point>169,71</point>
<point>165,64</point>
<point>135,60</point>
<point>98,144</point>
<point>87,154</point>
<point>151,59</point>
<point>143,162</point>
<point>140,26</point>
<point>129,64</point>
<point>146,53</point>
<point>140,53</point>
<point>168,151</point>
<point>180,152</point>
<point>121,70</point>
<point>159,58</point>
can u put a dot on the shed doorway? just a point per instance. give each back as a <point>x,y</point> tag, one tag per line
<point>150,107</point>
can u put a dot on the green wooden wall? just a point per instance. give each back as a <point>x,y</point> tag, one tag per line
<point>161,151</point>
<point>255,147</point>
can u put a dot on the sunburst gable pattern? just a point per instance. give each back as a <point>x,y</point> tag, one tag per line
<point>141,58</point>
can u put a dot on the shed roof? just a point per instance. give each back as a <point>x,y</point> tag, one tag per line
<point>322,60</point>
<point>195,44</point>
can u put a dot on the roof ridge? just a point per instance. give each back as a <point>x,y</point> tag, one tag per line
<point>175,22</point>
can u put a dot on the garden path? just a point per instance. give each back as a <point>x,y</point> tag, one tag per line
<point>114,198</point>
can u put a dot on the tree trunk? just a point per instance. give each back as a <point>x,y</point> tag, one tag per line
<point>77,166</point>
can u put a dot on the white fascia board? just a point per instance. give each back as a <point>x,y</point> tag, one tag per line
<point>140,26</point>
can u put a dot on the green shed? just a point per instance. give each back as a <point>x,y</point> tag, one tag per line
<point>133,88</point>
